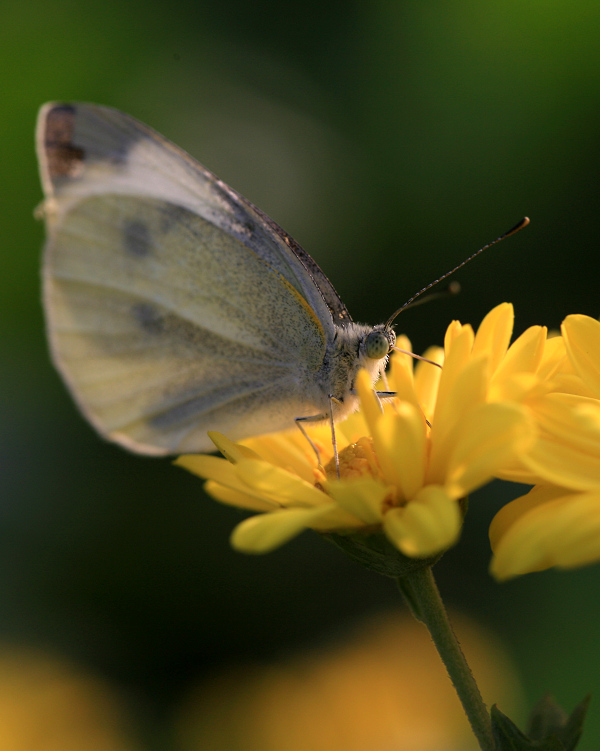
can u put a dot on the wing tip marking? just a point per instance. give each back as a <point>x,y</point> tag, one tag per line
<point>62,157</point>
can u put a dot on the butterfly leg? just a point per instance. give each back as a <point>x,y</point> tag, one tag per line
<point>390,394</point>
<point>318,418</point>
<point>380,395</point>
<point>299,421</point>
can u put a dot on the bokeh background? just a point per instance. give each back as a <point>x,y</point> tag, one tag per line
<point>391,139</point>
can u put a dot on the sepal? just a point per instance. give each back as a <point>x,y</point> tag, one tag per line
<point>550,728</point>
<point>375,552</point>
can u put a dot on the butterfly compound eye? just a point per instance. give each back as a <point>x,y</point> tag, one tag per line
<point>379,343</point>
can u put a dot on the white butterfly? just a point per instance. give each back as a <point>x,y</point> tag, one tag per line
<point>174,306</point>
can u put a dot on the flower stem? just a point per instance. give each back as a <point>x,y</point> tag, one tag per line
<point>423,598</point>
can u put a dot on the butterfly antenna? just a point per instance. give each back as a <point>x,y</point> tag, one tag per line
<point>523,223</point>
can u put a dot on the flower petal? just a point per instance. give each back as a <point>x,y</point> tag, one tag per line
<point>512,511</point>
<point>402,377</point>
<point>379,425</point>
<point>582,340</point>
<point>265,532</point>
<point>363,498</point>
<point>493,335</point>
<point>467,392</point>
<point>278,484</point>
<point>517,387</point>
<point>548,527</point>
<point>567,452</point>
<point>489,437</point>
<point>458,354</point>
<point>427,525</point>
<point>400,444</point>
<point>233,452</point>
<point>524,355</point>
<point>236,498</point>
<point>223,473</point>
<point>554,358</point>
<point>427,380</point>
<point>369,403</point>
<point>290,450</point>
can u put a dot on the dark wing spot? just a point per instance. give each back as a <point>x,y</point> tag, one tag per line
<point>65,159</point>
<point>148,318</point>
<point>136,238</point>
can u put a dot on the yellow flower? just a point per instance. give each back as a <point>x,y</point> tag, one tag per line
<point>558,393</point>
<point>398,475</point>
<point>558,522</point>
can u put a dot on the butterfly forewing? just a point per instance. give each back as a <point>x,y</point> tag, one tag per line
<point>173,306</point>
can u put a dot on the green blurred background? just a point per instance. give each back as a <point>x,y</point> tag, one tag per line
<point>391,139</point>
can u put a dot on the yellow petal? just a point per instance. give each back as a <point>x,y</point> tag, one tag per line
<point>224,473</point>
<point>363,498</point>
<point>524,355</point>
<point>401,448</point>
<point>458,355</point>
<point>517,387</point>
<point>233,452</point>
<point>278,485</point>
<point>488,437</point>
<point>512,511</point>
<point>425,526</point>
<point>402,379</point>
<point>402,364</point>
<point>570,383</point>
<point>370,406</point>
<point>290,450</point>
<point>554,528</point>
<point>350,430</point>
<point>265,532</point>
<point>467,392</point>
<point>554,358</point>
<point>493,335</point>
<point>453,331</point>
<point>427,380</point>
<point>236,498</point>
<point>582,340</point>
<point>567,452</point>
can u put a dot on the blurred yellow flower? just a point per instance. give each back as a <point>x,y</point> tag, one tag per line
<point>49,704</point>
<point>403,468</point>
<point>381,688</point>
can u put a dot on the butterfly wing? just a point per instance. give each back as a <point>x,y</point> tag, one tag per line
<point>173,305</point>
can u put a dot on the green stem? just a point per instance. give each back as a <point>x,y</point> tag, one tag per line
<point>423,598</point>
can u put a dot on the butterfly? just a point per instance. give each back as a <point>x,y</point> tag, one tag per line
<point>173,305</point>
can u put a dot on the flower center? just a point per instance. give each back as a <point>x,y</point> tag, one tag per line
<point>356,460</point>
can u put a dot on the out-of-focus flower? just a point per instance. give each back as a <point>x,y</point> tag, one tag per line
<point>385,688</point>
<point>47,704</point>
